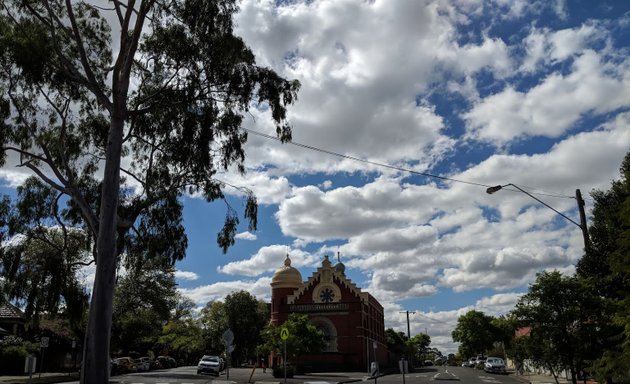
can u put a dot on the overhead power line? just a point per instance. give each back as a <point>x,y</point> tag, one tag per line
<point>401,169</point>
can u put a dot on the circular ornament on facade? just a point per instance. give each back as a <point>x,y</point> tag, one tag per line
<point>326,294</point>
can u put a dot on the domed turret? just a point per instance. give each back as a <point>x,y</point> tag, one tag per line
<point>339,267</point>
<point>286,276</point>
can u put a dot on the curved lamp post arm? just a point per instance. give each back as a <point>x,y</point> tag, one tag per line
<point>578,195</point>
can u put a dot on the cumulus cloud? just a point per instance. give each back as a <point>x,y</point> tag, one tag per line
<point>217,291</point>
<point>551,107</point>
<point>186,275</point>
<point>245,236</point>
<point>267,259</point>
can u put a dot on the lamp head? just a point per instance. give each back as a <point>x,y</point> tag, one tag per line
<point>494,189</point>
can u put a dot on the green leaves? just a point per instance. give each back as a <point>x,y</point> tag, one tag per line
<point>304,337</point>
<point>475,332</point>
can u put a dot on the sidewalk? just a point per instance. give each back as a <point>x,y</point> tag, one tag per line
<point>44,379</point>
<point>534,378</point>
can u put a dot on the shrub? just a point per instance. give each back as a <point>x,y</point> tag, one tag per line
<point>278,371</point>
<point>13,351</point>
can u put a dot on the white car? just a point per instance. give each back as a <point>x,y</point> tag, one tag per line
<point>494,364</point>
<point>209,364</point>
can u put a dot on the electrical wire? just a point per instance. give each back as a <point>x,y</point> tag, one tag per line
<point>401,169</point>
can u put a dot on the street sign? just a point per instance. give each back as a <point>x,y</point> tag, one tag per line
<point>44,342</point>
<point>228,337</point>
<point>284,333</point>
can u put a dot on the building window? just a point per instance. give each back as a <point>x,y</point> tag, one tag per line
<point>330,333</point>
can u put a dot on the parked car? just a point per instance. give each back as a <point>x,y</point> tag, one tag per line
<point>125,365</point>
<point>143,364</point>
<point>209,364</point>
<point>494,365</point>
<point>480,360</point>
<point>428,363</point>
<point>167,361</point>
<point>155,364</point>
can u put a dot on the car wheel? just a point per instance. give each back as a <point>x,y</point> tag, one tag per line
<point>198,372</point>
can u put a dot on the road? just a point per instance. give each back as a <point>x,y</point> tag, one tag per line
<point>435,375</point>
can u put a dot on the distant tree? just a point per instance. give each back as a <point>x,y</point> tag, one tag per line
<point>145,298</point>
<point>246,317</point>
<point>475,332</point>
<point>214,323</point>
<point>182,335</point>
<point>167,92</point>
<point>304,338</point>
<point>505,327</point>
<point>396,342</point>
<point>606,268</point>
<point>418,345</point>
<point>560,310</point>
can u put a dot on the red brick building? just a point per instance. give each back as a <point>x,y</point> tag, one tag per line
<point>351,319</point>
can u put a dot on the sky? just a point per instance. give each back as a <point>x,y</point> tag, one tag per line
<point>407,112</point>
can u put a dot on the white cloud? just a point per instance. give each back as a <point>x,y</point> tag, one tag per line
<point>553,106</point>
<point>217,291</point>
<point>186,275</point>
<point>246,236</point>
<point>267,259</point>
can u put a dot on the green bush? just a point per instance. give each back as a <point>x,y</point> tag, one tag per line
<point>480,366</point>
<point>13,351</point>
<point>278,371</point>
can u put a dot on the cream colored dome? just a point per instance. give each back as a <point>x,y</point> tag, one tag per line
<point>286,276</point>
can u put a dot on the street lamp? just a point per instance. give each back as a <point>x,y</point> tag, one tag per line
<point>578,197</point>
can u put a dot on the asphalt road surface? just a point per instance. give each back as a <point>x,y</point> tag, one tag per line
<point>434,375</point>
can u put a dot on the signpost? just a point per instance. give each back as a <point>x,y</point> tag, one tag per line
<point>43,344</point>
<point>284,335</point>
<point>228,338</point>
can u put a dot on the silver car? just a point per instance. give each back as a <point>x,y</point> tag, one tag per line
<point>209,364</point>
<point>494,364</point>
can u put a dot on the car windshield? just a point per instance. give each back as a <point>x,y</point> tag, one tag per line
<point>213,359</point>
<point>495,361</point>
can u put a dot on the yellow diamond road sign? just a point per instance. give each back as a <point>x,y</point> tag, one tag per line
<point>284,333</point>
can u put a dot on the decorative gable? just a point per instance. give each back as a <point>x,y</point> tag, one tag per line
<point>326,286</point>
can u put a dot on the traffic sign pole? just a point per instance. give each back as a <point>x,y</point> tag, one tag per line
<point>284,335</point>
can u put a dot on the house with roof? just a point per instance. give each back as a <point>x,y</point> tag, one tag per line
<point>12,320</point>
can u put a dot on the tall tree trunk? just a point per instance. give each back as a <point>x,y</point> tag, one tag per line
<point>96,358</point>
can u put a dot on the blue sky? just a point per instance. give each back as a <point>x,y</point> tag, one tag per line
<point>535,93</point>
<point>491,92</point>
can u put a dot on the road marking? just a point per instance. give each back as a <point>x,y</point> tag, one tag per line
<point>489,379</point>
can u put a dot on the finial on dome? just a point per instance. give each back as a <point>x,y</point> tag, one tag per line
<point>340,267</point>
<point>287,261</point>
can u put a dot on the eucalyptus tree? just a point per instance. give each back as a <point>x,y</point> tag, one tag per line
<point>123,109</point>
<point>42,258</point>
<point>606,268</point>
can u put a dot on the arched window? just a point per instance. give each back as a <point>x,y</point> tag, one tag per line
<point>330,332</point>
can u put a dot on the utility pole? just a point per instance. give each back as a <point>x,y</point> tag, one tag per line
<point>583,226</point>
<point>408,329</point>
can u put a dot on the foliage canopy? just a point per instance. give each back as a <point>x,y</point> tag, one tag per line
<point>122,110</point>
